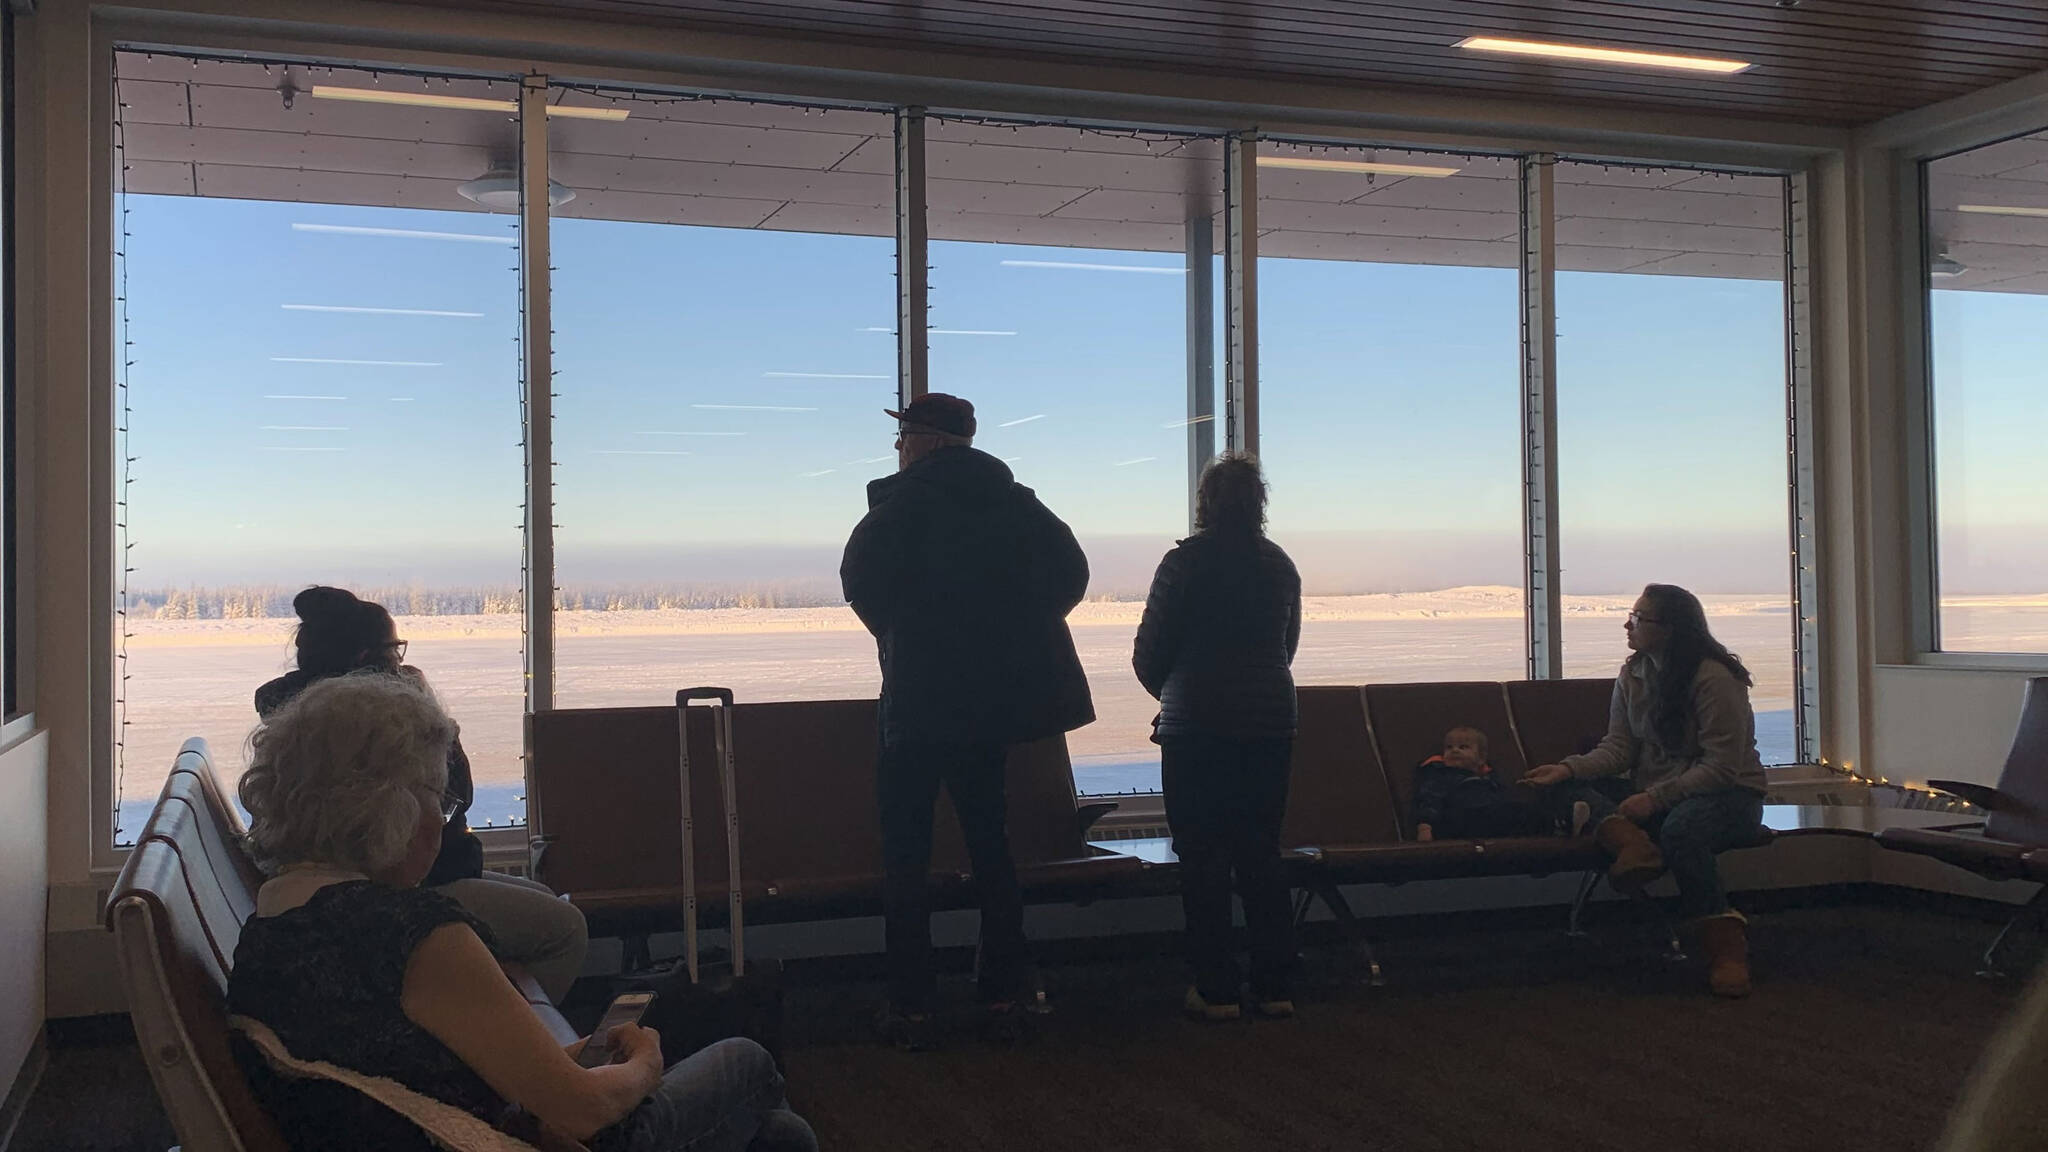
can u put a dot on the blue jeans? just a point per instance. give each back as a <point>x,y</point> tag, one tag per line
<point>1690,834</point>
<point>725,1098</point>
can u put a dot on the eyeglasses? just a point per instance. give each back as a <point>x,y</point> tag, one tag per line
<point>1639,618</point>
<point>397,650</point>
<point>450,804</point>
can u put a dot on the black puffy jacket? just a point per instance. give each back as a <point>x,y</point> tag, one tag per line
<point>966,580</point>
<point>1220,628</point>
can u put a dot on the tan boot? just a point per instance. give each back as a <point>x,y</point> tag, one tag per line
<point>1636,858</point>
<point>1726,941</point>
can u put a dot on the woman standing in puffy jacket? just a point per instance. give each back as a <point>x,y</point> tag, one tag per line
<point>1221,625</point>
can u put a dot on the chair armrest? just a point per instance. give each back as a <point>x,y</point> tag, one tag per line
<point>1983,796</point>
<point>537,857</point>
<point>1086,815</point>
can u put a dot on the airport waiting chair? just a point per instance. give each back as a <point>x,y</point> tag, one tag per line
<point>1339,813</point>
<point>1554,719</point>
<point>174,924</point>
<point>2011,843</point>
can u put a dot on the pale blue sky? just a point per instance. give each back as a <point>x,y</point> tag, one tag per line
<point>718,398</point>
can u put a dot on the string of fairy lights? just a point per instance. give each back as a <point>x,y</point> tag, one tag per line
<point>123,421</point>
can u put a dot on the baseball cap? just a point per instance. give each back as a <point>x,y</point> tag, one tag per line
<point>938,411</point>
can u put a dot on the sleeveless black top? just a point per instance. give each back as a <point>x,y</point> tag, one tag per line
<point>326,977</point>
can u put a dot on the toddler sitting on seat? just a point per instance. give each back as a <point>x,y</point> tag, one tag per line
<point>1457,795</point>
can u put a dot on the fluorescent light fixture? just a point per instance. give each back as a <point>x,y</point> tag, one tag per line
<point>1021,420</point>
<point>2000,210</point>
<point>1589,54</point>
<point>1078,267</point>
<point>293,397</point>
<point>1371,167</point>
<point>460,103</point>
<point>303,428</point>
<point>750,408</point>
<point>377,311</point>
<point>1139,460</point>
<point>361,363</point>
<point>403,234</point>
<point>824,376</point>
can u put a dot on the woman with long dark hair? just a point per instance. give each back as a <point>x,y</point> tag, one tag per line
<point>339,634</point>
<point>1677,780</point>
<point>1220,629</point>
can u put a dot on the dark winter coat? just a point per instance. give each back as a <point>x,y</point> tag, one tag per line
<point>462,854</point>
<point>965,580</point>
<point>1221,625</point>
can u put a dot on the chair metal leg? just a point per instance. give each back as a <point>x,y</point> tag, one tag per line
<point>2035,911</point>
<point>1674,951</point>
<point>1302,903</point>
<point>1587,884</point>
<point>1354,930</point>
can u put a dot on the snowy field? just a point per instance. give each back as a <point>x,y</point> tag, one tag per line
<point>196,677</point>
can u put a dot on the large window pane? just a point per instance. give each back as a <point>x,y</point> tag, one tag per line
<point>324,389</point>
<point>1988,324</point>
<point>1060,305</point>
<point>1672,415</point>
<point>1389,363</point>
<point>724,283</point>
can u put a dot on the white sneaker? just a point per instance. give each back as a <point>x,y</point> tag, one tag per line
<point>1582,815</point>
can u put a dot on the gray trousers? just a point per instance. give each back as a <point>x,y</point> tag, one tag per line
<point>533,927</point>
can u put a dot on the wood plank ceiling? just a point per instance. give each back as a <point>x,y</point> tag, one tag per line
<point>1816,61</point>
<point>222,129</point>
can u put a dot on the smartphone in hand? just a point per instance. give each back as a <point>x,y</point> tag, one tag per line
<point>627,1009</point>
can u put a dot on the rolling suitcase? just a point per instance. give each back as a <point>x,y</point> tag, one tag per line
<point>700,1002</point>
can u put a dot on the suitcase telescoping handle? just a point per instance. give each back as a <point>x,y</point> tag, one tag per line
<point>721,727</point>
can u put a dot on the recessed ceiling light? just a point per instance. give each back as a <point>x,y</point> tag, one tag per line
<point>463,103</point>
<point>2001,210</point>
<point>1592,55</point>
<point>1316,164</point>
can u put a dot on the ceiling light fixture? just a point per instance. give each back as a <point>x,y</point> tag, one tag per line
<point>2000,210</point>
<point>1314,164</point>
<point>498,190</point>
<point>1589,54</point>
<point>460,103</point>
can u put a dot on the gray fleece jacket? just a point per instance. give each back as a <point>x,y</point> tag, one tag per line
<point>1719,751</point>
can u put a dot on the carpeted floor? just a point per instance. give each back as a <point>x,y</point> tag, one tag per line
<point>1489,1034</point>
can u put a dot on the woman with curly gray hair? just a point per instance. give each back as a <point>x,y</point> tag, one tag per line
<point>340,635</point>
<point>350,962</point>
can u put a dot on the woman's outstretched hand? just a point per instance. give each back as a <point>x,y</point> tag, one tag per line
<point>1546,776</point>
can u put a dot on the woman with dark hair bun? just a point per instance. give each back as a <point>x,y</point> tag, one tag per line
<point>1220,628</point>
<point>339,634</point>
<point>1677,780</point>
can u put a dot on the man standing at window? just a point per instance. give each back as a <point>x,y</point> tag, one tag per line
<point>966,580</point>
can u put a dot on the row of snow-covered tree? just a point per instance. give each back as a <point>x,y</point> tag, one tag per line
<point>255,603</point>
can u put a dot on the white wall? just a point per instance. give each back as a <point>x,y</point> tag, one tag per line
<point>24,847</point>
<point>1942,723</point>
